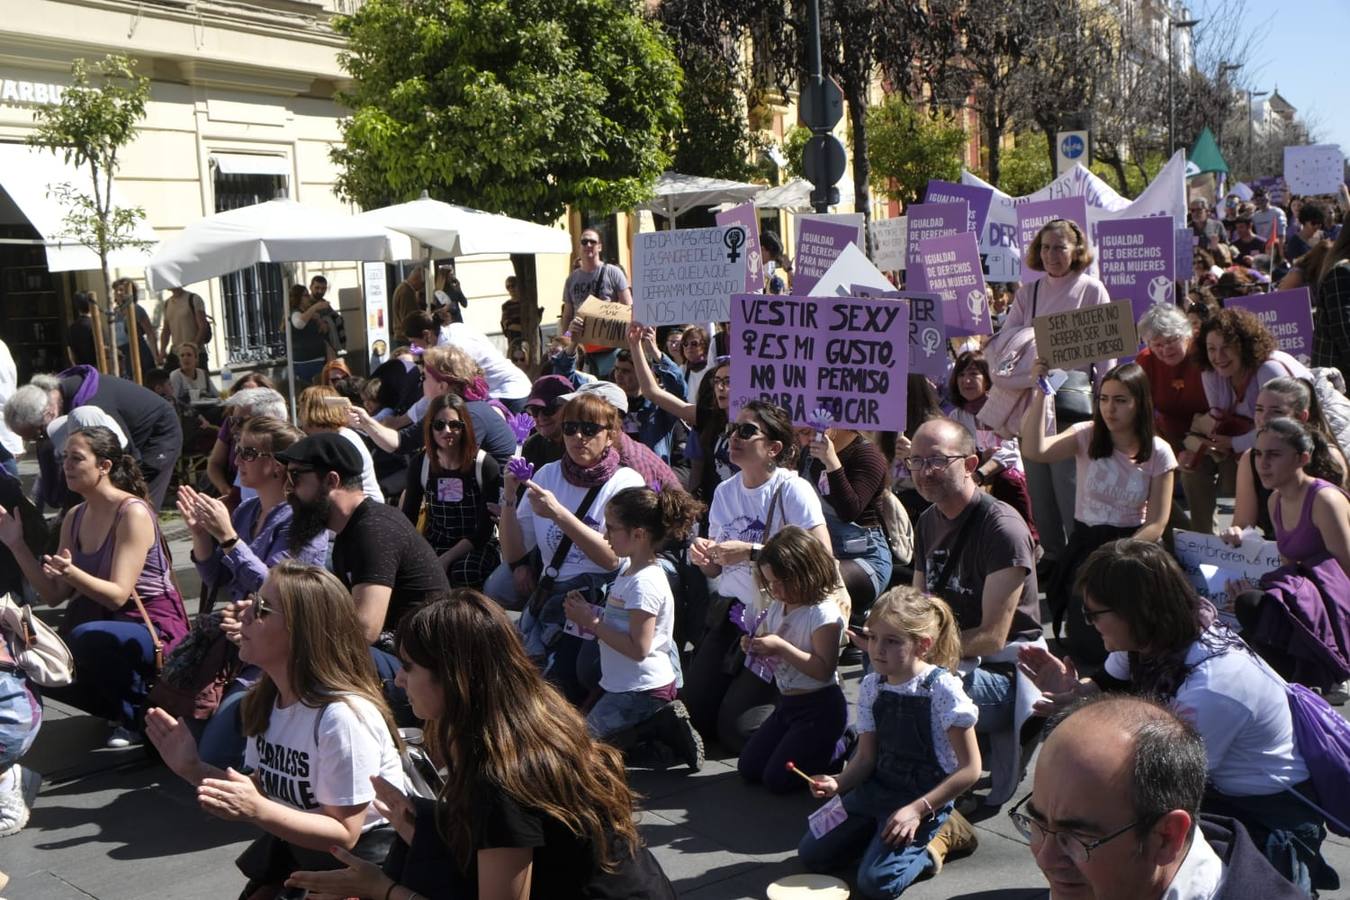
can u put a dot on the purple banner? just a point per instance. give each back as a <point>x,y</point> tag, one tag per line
<point>951,269</point>
<point>819,244</point>
<point>978,198</point>
<point>745,216</point>
<point>847,355</point>
<point>1186,243</point>
<point>1031,216</point>
<point>1287,315</point>
<point>930,220</point>
<point>927,332</point>
<point>1136,259</point>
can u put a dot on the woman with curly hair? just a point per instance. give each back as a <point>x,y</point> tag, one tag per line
<point>532,806</point>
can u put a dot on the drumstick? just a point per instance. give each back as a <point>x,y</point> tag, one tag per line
<point>792,767</point>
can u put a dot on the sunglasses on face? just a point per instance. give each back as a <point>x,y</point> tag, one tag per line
<point>746,431</point>
<point>249,454</point>
<point>260,608</point>
<point>293,474</point>
<point>442,424</point>
<point>586,429</point>
<point>589,242</point>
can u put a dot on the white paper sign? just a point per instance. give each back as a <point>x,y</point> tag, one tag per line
<point>688,275</point>
<point>1210,564</point>
<point>888,243</point>
<point>852,267</point>
<point>1314,169</point>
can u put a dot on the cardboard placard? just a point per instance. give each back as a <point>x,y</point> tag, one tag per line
<point>951,269</point>
<point>819,243</point>
<point>688,275</point>
<point>1031,217</point>
<point>1287,315</point>
<point>927,332</point>
<point>1314,169</point>
<point>1136,260</point>
<point>605,324</point>
<point>746,217</point>
<point>1071,339</point>
<point>927,221</point>
<point>845,354</point>
<point>1210,564</point>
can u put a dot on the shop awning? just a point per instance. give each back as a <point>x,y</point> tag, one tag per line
<point>251,164</point>
<point>29,175</point>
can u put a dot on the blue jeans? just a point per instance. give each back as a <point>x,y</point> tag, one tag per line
<point>995,694</point>
<point>20,718</point>
<point>613,713</point>
<point>884,871</point>
<point>114,662</point>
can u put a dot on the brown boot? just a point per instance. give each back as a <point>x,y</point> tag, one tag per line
<point>955,839</point>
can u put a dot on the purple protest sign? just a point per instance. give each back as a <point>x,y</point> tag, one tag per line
<point>927,331</point>
<point>819,243</point>
<point>745,216</point>
<point>1185,243</point>
<point>951,269</point>
<point>1136,259</point>
<point>1031,216</point>
<point>1287,315</point>
<point>848,355</point>
<point>925,221</point>
<point>978,198</point>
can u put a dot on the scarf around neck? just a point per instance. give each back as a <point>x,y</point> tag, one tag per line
<point>591,476</point>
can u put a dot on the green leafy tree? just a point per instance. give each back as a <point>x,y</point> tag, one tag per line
<point>1025,169</point>
<point>515,106</point>
<point>794,147</point>
<point>909,146</point>
<point>95,119</point>
<point>713,138</point>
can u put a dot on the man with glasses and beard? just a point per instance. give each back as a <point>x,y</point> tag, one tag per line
<point>377,553</point>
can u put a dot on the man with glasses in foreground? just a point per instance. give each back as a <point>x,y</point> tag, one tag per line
<point>1115,813</point>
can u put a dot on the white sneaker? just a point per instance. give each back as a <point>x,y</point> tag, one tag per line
<point>29,783</point>
<point>13,811</point>
<point>124,737</point>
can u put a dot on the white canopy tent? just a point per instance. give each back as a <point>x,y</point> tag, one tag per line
<point>795,195</point>
<point>675,194</point>
<point>273,232</point>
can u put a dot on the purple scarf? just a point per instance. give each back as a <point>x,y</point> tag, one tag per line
<point>591,476</point>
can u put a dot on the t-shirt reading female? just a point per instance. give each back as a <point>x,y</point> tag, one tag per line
<point>1114,490</point>
<point>325,756</point>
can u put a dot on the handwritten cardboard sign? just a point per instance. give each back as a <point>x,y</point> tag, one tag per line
<point>819,243</point>
<point>1136,260</point>
<point>1031,217</point>
<point>605,324</point>
<point>845,354</point>
<point>927,332</point>
<point>950,267</point>
<point>925,222</point>
<point>888,243</point>
<point>1314,169</point>
<point>746,217</point>
<point>1210,564</point>
<point>978,198</point>
<point>1080,336</point>
<point>688,275</point>
<point>1287,315</point>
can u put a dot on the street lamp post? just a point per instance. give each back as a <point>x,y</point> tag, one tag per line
<point>1173,24</point>
<point>1251,132</point>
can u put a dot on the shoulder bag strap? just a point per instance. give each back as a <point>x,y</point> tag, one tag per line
<point>598,285</point>
<point>150,627</point>
<point>1035,295</point>
<point>954,553</point>
<point>565,545</point>
<point>775,502</point>
<point>478,467</point>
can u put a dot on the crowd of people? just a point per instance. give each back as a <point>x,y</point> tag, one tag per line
<point>527,580</point>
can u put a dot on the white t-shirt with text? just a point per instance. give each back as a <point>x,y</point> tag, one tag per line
<point>738,513</point>
<point>796,626</point>
<point>546,535</point>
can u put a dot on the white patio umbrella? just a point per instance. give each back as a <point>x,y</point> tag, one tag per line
<point>273,232</point>
<point>796,195</point>
<point>674,194</point>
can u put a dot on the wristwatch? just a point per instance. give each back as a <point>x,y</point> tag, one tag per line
<point>227,546</point>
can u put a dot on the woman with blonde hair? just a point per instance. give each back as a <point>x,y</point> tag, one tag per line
<point>532,806</point>
<point>322,409</point>
<point>318,730</point>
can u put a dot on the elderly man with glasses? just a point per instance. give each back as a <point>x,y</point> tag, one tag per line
<point>1114,813</point>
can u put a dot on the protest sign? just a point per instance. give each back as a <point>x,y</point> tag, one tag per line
<point>819,243</point>
<point>852,267</point>
<point>978,200</point>
<point>1136,260</point>
<point>950,268</point>
<point>843,354</point>
<point>604,324</point>
<point>1185,249</point>
<point>927,333</point>
<point>1287,315</point>
<point>1071,339</point>
<point>1210,564</point>
<point>1031,217</point>
<point>888,243</point>
<point>1314,169</point>
<point>927,221</point>
<point>687,275</point>
<point>746,217</point>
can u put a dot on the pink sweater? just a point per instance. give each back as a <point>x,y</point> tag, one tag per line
<point>1056,295</point>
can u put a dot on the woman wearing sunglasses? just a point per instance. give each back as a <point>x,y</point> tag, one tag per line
<point>319,732</point>
<point>450,483</point>
<point>565,500</point>
<point>233,552</point>
<point>747,509</point>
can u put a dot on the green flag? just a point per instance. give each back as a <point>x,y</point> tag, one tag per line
<point>1205,155</point>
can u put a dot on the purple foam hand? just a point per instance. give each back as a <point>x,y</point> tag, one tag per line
<point>521,470</point>
<point>820,419</point>
<point>737,617</point>
<point>522,424</point>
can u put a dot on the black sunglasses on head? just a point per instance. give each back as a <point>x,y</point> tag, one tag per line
<point>586,429</point>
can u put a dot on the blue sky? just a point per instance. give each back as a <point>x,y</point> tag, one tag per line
<point>1300,46</point>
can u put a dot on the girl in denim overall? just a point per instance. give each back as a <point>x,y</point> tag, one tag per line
<point>916,749</point>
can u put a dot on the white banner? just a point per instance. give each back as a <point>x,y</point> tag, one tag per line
<point>1210,564</point>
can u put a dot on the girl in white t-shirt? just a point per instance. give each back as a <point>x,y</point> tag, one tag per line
<point>639,661</point>
<point>317,727</point>
<point>797,645</point>
<point>1124,484</point>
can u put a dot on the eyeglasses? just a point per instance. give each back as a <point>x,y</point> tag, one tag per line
<point>586,429</point>
<point>261,608</point>
<point>589,242</point>
<point>929,463</point>
<point>442,424</point>
<point>249,454</point>
<point>1072,846</point>
<point>746,431</point>
<point>1090,615</point>
<point>721,381</point>
<point>292,474</point>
